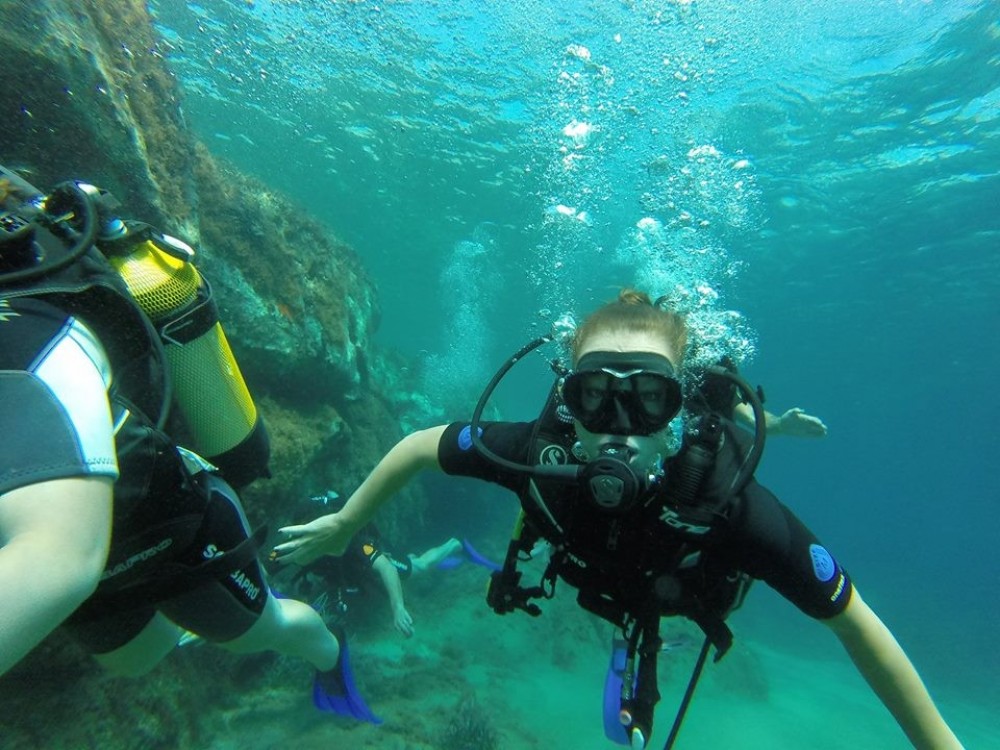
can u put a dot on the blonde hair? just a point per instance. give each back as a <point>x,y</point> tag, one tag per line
<point>634,312</point>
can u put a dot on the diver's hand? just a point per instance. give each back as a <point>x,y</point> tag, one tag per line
<point>327,535</point>
<point>403,621</point>
<point>796,423</point>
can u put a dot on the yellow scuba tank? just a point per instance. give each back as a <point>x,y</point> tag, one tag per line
<point>208,387</point>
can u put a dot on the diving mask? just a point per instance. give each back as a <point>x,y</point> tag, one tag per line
<point>617,393</point>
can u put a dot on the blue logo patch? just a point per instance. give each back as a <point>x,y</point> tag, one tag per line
<point>823,565</point>
<point>465,437</point>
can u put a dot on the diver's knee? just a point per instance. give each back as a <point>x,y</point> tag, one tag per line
<point>292,613</point>
<point>281,620</point>
<point>417,564</point>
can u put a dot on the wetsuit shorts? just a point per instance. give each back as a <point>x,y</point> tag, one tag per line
<point>218,610</point>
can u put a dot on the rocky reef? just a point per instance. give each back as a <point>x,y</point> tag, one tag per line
<point>88,95</point>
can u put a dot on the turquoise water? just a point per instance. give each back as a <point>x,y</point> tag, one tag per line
<point>831,173</point>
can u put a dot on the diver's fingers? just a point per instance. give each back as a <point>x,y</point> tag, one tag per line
<point>285,552</point>
<point>297,556</point>
<point>798,422</point>
<point>821,427</point>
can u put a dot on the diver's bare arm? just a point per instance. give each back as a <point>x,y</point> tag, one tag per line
<point>794,422</point>
<point>889,672</point>
<point>54,539</point>
<point>329,535</point>
<point>415,452</point>
<point>389,575</point>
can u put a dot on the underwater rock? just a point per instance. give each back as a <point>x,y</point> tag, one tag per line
<point>87,95</point>
<point>298,305</point>
<point>95,100</point>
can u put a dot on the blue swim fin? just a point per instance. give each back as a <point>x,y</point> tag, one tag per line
<point>334,690</point>
<point>614,730</point>
<point>450,563</point>
<point>477,558</point>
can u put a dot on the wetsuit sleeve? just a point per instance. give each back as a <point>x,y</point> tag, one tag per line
<point>511,440</point>
<point>776,547</point>
<point>54,412</point>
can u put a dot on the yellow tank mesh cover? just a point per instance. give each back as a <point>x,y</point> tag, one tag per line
<point>210,392</point>
<point>158,281</point>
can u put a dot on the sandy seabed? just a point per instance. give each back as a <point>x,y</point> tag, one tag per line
<point>539,682</point>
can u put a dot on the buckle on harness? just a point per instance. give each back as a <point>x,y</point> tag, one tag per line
<point>505,595</point>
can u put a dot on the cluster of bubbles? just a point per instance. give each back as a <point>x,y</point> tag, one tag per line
<point>634,196</point>
<point>468,285</point>
<point>703,189</point>
<point>630,171</point>
<point>684,269</point>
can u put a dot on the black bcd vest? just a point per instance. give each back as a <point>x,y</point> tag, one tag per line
<point>660,555</point>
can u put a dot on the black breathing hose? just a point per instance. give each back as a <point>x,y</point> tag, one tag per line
<point>753,456</point>
<point>688,695</point>
<point>81,244</point>
<point>563,472</point>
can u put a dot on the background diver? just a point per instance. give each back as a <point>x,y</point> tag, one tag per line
<point>369,557</point>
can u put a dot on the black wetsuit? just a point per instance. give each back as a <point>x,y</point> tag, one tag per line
<point>614,557</point>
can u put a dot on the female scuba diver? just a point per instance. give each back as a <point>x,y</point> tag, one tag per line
<point>642,528</point>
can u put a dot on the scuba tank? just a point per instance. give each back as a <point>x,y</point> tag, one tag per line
<point>209,390</point>
<point>42,235</point>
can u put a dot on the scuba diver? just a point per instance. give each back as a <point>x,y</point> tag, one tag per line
<point>369,557</point>
<point>108,527</point>
<point>643,518</point>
